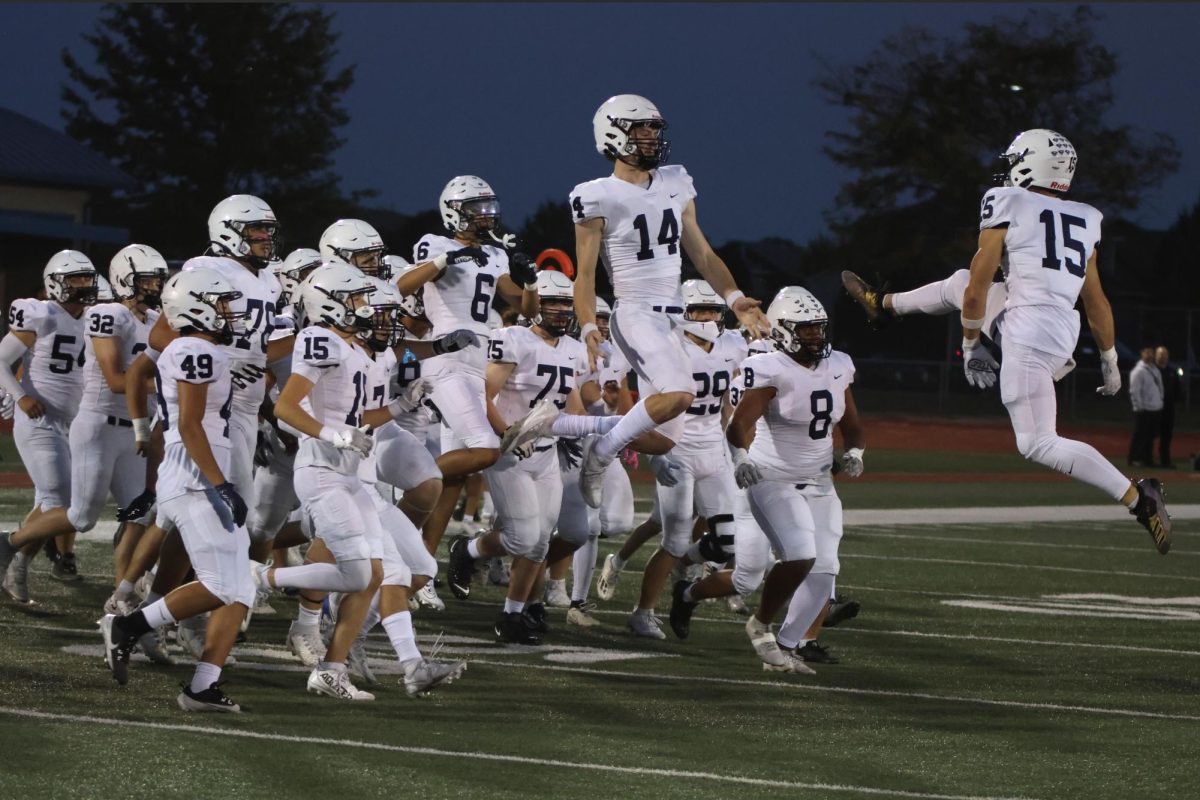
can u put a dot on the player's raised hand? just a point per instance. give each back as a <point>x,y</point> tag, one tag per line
<point>979,365</point>
<point>1110,373</point>
<point>750,314</point>
<point>466,254</point>
<point>523,271</point>
<point>595,346</point>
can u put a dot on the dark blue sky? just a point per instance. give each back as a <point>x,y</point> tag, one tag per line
<point>507,91</point>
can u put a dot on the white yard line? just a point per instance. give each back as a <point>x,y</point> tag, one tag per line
<point>1046,568</point>
<point>477,755</point>
<point>1008,542</point>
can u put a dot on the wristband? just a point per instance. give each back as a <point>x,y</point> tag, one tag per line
<point>970,344</point>
<point>1109,355</point>
<point>439,262</point>
<point>531,287</point>
<point>141,429</point>
<point>855,452</point>
<point>586,329</point>
<point>740,454</point>
<point>971,324</point>
<point>733,297</point>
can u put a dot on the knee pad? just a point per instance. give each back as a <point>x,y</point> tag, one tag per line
<point>396,573</point>
<point>356,574</point>
<point>79,522</point>
<point>716,544</point>
<point>747,578</point>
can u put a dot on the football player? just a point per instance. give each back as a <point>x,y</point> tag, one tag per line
<point>637,218</point>
<point>48,337</point>
<point>195,496</point>
<point>354,242</point>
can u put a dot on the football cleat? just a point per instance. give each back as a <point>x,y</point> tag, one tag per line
<point>511,629</point>
<point>422,675</point>
<point>497,572</point>
<point>50,548</point>
<point>764,644</point>
<point>814,653</point>
<point>262,603</point>
<point>306,645</point>
<point>681,610</point>
<point>192,637</point>
<point>211,699</point>
<point>580,613</point>
<point>460,568</point>
<point>737,604</point>
<point>116,649</point>
<point>610,575</point>
<point>427,596</point>
<point>154,645</point>
<point>798,665</point>
<point>119,606</point>
<point>7,551</point>
<point>65,569</point>
<point>591,474</point>
<point>16,580</point>
<point>840,610</point>
<point>356,661</point>
<point>143,585</point>
<point>868,297</point>
<point>335,683</point>
<point>258,572</point>
<point>535,617</point>
<point>645,624</point>
<point>1151,512</point>
<point>556,594</point>
<point>531,427</point>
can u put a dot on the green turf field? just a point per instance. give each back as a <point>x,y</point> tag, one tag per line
<point>1050,660</point>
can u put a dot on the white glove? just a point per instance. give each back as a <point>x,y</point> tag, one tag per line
<point>745,471</point>
<point>1110,373</point>
<point>409,399</point>
<point>978,364</point>
<point>7,406</point>
<point>664,470</point>
<point>852,462</point>
<point>355,439</point>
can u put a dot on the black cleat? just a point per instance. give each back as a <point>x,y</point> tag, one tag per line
<point>512,629</point>
<point>50,548</point>
<point>681,610</point>
<point>211,699</point>
<point>535,618</point>
<point>841,610</point>
<point>1151,511</point>
<point>868,297</point>
<point>460,569</point>
<point>65,568</point>
<point>117,647</point>
<point>815,654</point>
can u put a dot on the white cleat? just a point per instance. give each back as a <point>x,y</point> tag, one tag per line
<point>306,645</point>
<point>737,604</point>
<point>154,645</point>
<point>763,641</point>
<point>610,575</point>
<point>581,615</point>
<point>646,624</point>
<point>497,572</point>
<point>556,594</point>
<point>421,676</point>
<point>142,586</point>
<point>262,603</point>
<point>530,427</point>
<point>191,638</point>
<point>119,606</point>
<point>258,572</point>
<point>591,474</point>
<point>334,683</point>
<point>798,665</point>
<point>428,597</point>
<point>16,580</point>
<point>356,662</point>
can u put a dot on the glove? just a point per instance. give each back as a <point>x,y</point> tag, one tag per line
<point>354,439</point>
<point>262,446</point>
<point>852,462</point>
<point>522,270</point>
<point>570,453</point>
<point>462,256</point>
<point>409,399</point>
<point>664,470</point>
<point>454,341</point>
<point>629,458</point>
<point>524,451</point>
<point>745,472</point>
<point>978,364</point>
<point>1110,373</point>
<point>138,507</point>
<point>508,241</point>
<point>235,502</point>
<point>7,406</point>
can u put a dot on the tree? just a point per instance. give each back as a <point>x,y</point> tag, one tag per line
<point>202,101</point>
<point>929,114</point>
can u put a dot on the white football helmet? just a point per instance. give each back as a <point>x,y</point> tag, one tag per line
<point>228,221</point>
<point>1041,158</point>
<point>104,290</point>
<point>138,270</point>
<point>413,305</point>
<point>293,270</point>
<point>698,295</point>
<point>392,266</point>
<point>385,303</point>
<point>614,120</point>
<point>327,295</point>
<point>469,204</point>
<point>60,269</point>
<point>603,309</point>
<point>794,310</point>
<point>556,288</point>
<point>199,299</point>
<point>353,242</point>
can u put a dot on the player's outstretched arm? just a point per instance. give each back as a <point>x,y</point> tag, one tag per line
<point>1104,330</point>
<point>854,438</point>
<point>714,270</point>
<point>588,236</point>
<point>983,268</point>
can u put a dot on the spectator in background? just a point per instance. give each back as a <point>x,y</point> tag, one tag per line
<point>1146,394</point>
<point>1172,384</point>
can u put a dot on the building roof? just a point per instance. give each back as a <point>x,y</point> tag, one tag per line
<point>31,152</point>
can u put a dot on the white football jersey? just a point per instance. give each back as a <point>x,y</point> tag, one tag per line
<point>641,246</point>
<point>190,359</point>
<point>541,371</point>
<point>1048,243</point>
<point>793,440</point>
<point>112,321</point>
<point>714,372</point>
<point>53,368</point>
<point>379,376</point>
<point>338,371</point>
<point>461,298</point>
<point>248,353</point>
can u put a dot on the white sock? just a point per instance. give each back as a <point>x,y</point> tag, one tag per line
<point>307,617</point>
<point>335,666</point>
<point>513,606</point>
<point>124,589</point>
<point>939,297</point>
<point>618,562</point>
<point>19,559</point>
<point>552,584</point>
<point>631,426</point>
<point>473,549</point>
<point>157,614</point>
<point>400,633</point>
<point>575,425</point>
<point>205,676</point>
<point>583,564</point>
<point>810,598</point>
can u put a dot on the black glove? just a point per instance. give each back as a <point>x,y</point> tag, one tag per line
<point>570,453</point>
<point>522,269</point>
<point>235,502</point>
<point>475,254</point>
<point>455,341</point>
<point>262,450</point>
<point>138,507</point>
